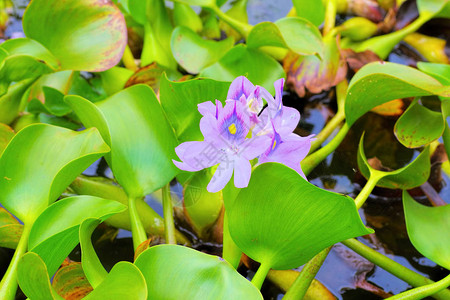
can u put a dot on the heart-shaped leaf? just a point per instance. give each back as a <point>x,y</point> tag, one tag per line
<point>296,34</point>
<point>125,281</point>
<point>87,35</point>
<point>378,83</point>
<point>40,162</point>
<point>439,71</point>
<point>408,177</point>
<point>10,230</point>
<point>259,68</point>
<point>428,229</point>
<point>70,282</point>
<point>26,59</point>
<point>55,232</point>
<point>198,275</point>
<point>285,230</point>
<point>6,134</point>
<point>194,53</point>
<point>431,7</point>
<point>33,278</point>
<point>142,142</point>
<point>180,99</point>
<point>419,126</point>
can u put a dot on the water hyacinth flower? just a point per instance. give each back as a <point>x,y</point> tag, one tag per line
<point>241,131</point>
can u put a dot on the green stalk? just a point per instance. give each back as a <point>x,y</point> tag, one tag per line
<point>169,225</point>
<point>243,28</point>
<point>305,278</point>
<point>367,189</point>
<point>231,253</point>
<point>312,160</point>
<point>137,228</point>
<point>330,17</point>
<point>260,275</point>
<point>8,285</point>
<point>128,59</point>
<point>423,291</point>
<point>394,268</point>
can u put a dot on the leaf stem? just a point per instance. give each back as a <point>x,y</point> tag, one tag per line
<point>330,17</point>
<point>301,284</point>
<point>338,118</point>
<point>312,160</point>
<point>243,28</point>
<point>395,268</point>
<point>367,189</point>
<point>231,252</point>
<point>169,225</point>
<point>137,228</point>
<point>128,59</point>
<point>8,285</point>
<point>260,275</point>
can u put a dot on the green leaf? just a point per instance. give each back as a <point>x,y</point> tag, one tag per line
<point>418,126</point>
<point>125,281</point>
<point>55,232</point>
<point>70,281</point>
<point>428,228</point>
<point>10,230</point>
<point>87,35</point>
<point>431,7</point>
<point>202,208</point>
<point>26,59</point>
<point>114,79</point>
<point>93,268</point>
<point>33,278</point>
<point>54,103</point>
<point>285,230</point>
<point>294,33</point>
<point>184,15</point>
<point>194,53</point>
<point>10,103</point>
<point>377,83</point>
<point>204,277</point>
<point>40,162</point>
<point>142,142</point>
<point>259,68</point>
<point>180,99</point>
<point>203,3</point>
<point>6,134</point>
<point>314,11</point>
<point>439,71</point>
<point>412,175</point>
<point>60,81</point>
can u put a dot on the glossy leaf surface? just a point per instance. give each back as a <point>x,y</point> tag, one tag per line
<point>293,33</point>
<point>142,142</point>
<point>428,229</point>
<point>439,71</point>
<point>194,53</point>
<point>285,230</point>
<point>412,175</point>
<point>419,126</point>
<point>55,232</point>
<point>87,35</point>
<point>40,162</point>
<point>197,275</point>
<point>378,83</point>
<point>33,278</point>
<point>313,11</point>
<point>125,281</point>
<point>259,68</point>
<point>10,102</point>
<point>180,99</point>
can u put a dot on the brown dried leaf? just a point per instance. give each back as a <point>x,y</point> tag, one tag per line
<point>356,60</point>
<point>392,108</point>
<point>70,282</point>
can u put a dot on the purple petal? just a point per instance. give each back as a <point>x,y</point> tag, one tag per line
<point>255,146</point>
<point>196,156</point>
<point>221,177</point>
<point>208,127</point>
<point>286,122</point>
<point>207,108</point>
<point>240,86</point>
<point>233,115</point>
<point>242,172</point>
<point>279,84</point>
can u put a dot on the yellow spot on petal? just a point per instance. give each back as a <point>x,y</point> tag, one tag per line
<point>232,128</point>
<point>274,144</point>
